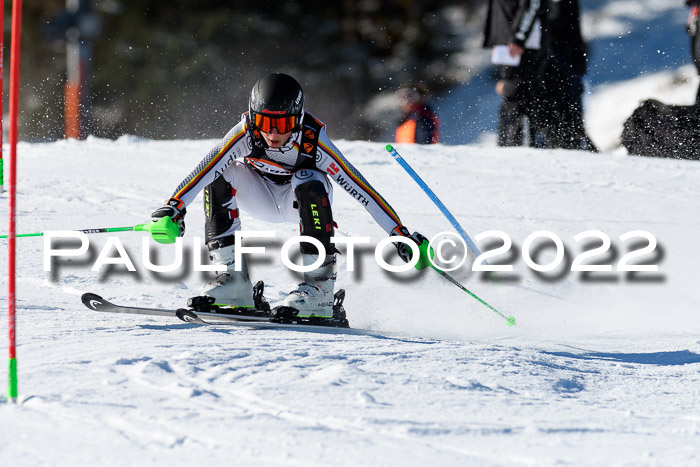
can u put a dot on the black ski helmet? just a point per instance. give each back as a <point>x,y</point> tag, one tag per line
<point>277,95</point>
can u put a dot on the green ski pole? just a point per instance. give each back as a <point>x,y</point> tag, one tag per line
<point>163,230</point>
<point>87,231</point>
<point>510,320</point>
<point>424,261</point>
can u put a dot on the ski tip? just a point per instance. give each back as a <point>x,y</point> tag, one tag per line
<point>510,321</point>
<point>189,316</point>
<point>389,147</point>
<point>19,400</point>
<point>91,300</point>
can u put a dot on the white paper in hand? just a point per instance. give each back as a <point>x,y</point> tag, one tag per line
<point>501,56</point>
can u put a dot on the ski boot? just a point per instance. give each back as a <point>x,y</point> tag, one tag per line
<point>232,288</point>
<point>314,297</point>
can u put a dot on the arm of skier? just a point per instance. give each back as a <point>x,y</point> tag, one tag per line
<point>345,175</point>
<point>232,146</point>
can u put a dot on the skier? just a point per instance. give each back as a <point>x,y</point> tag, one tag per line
<point>275,164</point>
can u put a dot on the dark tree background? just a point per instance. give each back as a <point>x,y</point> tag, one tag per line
<point>183,68</point>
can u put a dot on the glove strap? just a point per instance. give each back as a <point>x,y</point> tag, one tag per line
<point>425,252</point>
<point>178,205</point>
<point>400,231</point>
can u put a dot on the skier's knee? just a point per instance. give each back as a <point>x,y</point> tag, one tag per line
<point>315,215</point>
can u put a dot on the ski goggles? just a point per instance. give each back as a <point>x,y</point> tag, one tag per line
<point>266,123</point>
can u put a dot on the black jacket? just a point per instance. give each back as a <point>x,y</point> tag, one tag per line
<point>566,45</point>
<point>511,21</point>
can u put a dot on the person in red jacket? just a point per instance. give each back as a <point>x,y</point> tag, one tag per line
<point>419,124</point>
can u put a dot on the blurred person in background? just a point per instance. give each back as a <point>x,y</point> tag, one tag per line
<point>514,31</point>
<point>693,26</point>
<point>419,124</point>
<point>513,113</point>
<point>563,77</point>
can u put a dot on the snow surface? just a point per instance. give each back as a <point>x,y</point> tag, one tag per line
<point>602,367</point>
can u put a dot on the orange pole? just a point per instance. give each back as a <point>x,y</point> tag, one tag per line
<point>72,109</point>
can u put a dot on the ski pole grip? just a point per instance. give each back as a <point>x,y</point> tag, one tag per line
<point>164,230</point>
<point>425,252</point>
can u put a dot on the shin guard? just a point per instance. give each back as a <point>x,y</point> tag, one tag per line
<point>221,214</point>
<point>315,216</point>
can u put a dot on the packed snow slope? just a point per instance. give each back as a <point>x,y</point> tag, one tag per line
<point>602,367</point>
